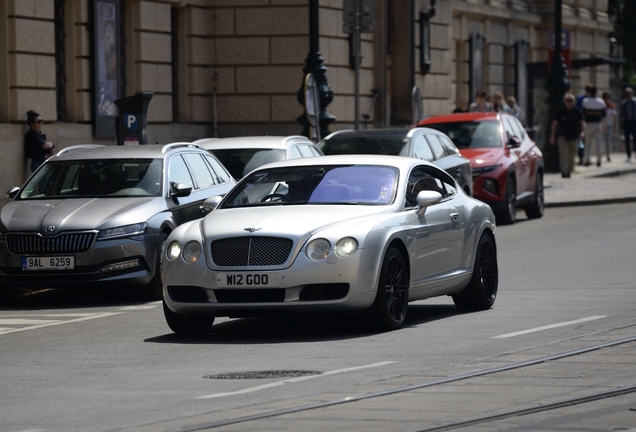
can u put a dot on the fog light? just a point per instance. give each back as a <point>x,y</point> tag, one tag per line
<point>491,186</point>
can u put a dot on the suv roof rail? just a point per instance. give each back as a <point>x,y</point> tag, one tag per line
<point>79,147</point>
<point>174,145</point>
<point>295,137</point>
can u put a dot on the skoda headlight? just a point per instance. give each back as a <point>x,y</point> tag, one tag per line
<point>346,247</point>
<point>135,231</point>
<point>191,252</point>
<point>318,249</point>
<point>174,250</point>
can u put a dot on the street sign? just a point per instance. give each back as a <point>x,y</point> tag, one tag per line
<point>367,16</point>
<point>565,50</point>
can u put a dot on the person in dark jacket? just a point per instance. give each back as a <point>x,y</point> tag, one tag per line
<point>567,127</point>
<point>36,146</point>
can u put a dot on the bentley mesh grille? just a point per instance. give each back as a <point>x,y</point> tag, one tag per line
<point>59,244</point>
<point>251,251</point>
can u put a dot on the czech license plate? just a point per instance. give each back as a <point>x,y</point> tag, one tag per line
<point>247,280</point>
<point>48,263</point>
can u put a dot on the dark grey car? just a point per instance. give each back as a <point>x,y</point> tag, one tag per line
<point>421,143</point>
<point>96,214</point>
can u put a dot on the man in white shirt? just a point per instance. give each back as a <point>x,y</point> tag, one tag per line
<point>594,111</point>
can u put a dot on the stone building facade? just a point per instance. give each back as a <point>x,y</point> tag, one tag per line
<point>234,67</point>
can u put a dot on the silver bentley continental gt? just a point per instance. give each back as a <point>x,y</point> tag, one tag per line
<point>363,233</point>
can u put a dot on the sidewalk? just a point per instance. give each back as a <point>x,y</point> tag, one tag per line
<point>609,183</point>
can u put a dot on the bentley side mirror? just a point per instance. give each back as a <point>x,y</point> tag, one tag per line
<point>11,193</point>
<point>427,198</point>
<point>211,203</point>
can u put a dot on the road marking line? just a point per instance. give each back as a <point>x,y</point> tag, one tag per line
<point>293,380</point>
<point>85,314</point>
<point>130,308</point>
<point>52,323</point>
<point>19,321</point>
<point>551,326</point>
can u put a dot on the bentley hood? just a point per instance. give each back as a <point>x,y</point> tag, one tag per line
<point>74,214</point>
<point>290,221</point>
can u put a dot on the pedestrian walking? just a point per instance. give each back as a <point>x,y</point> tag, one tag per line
<point>516,109</point>
<point>462,105</point>
<point>480,104</point>
<point>594,111</point>
<point>628,117</point>
<point>579,105</point>
<point>500,104</point>
<point>36,146</point>
<point>567,127</point>
<point>610,124</point>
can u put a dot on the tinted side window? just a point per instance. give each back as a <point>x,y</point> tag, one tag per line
<point>200,170</point>
<point>427,178</point>
<point>518,126</point>
<point>178,171</point>
<point>510,132</point>
<point>221,174</point>
<point>421,149</point>
<point>436,146</point>
<point>449,147</point>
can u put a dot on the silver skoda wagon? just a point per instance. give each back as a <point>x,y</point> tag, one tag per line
<point>97,214</point>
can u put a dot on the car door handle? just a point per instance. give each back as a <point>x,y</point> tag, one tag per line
<point>454,216</point>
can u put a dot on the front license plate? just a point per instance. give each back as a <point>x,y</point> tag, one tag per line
<point>247,280</point>
<point>48,263</point>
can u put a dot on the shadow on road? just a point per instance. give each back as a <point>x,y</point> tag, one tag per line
<point>302,327</point>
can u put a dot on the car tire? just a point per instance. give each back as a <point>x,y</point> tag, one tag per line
<point>481,291</point>
<point>154,288</point>
<point>508,214</point>
<point>535,210</point>
<point>389,309</point>
<point>187,325</point>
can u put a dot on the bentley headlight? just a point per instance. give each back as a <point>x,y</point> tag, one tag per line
<point>135,231</point>
<point>174,250</point>
<point>318,249</point>
<point>346,247</point>
<point>191,252</point>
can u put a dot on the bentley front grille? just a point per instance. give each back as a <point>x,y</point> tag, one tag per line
<point>251,251</point>
<point>60,244</point>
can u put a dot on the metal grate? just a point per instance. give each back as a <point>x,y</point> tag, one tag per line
<point>63,243</point>
<point>251,251</point>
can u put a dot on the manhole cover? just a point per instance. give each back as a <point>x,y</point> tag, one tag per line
<point>263,374</point>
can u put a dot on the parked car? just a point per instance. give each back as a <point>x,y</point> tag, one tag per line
<point>423,143</point>
<point>507,165</point>
<point>95,214</point>
<point>240,155</point>
<point>335,233</point>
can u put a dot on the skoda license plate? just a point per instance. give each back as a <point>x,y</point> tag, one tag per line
<point>247,280</point>
<point>48,263</point>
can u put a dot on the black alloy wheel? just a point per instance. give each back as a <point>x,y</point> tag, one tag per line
<point>391,301</point>
<point>481,291</point>
<point>536,209</point>
<point>508,215</point>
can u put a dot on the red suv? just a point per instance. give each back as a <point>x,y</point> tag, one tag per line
<point>507,165</point>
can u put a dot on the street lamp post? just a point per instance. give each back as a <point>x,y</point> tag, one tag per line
<point>556,85</point>
<point>314,65</point>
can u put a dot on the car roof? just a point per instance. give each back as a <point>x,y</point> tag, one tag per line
<point>384,132</point>
<point>255,142</point>
<point>95,151</point>
<point>461,117</point>
<point>401,162</point>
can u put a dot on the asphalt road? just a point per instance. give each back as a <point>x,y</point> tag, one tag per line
<point>107,361</point>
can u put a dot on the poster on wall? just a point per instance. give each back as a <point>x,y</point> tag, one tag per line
<point>106,64</point>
